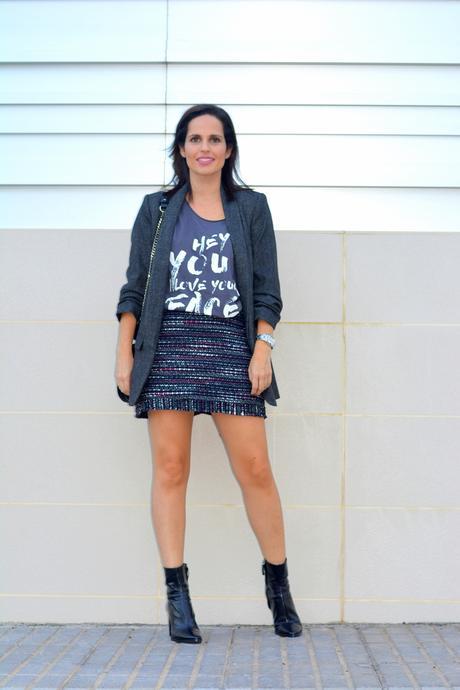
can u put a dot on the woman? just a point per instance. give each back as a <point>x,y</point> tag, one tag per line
<point>203,346</point>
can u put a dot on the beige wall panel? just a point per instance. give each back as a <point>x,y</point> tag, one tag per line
<point>403,462</point>
<point>404,279</point>
<point>308,362</point>
<point>402,554</point>
<point>403,369</point>
<point>83,549</point>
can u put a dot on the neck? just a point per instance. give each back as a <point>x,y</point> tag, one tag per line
<point>205,188</point>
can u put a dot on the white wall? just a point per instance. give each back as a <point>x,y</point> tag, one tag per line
<point>347,114</point>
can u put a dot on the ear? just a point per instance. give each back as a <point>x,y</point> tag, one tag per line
<point>229,152</point>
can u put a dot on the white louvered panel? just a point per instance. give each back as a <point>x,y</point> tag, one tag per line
<point>75,31</point>
<point>85,84</point>
<point>82,159</point>
<point>67,208</point>
<point>123,119</point>
<point>281,160</point>
<point>314,84</point>
<point>291,31</point>
<point>363,209</point>
<point>378,31</point>
<point>304,129</point>
<point>299,209</point>
<point>292,160</point>
<point>350,85</point>
<point>254,120</point>
<point>372,161</point>
<point>311,119</point>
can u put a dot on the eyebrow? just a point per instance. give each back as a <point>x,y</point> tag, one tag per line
<point>195,134</point>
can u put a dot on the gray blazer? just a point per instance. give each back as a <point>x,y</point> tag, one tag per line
<point>250,225</point>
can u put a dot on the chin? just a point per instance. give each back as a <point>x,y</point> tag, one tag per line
<point>200,171</point>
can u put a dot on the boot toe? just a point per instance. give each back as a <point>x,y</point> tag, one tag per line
<point>189,640</point>
<point>190,634</point>
<point>289,629</point>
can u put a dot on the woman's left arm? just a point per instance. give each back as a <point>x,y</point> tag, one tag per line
<point>266,285</point>
<point>260,369</point>
<point>267,294</point>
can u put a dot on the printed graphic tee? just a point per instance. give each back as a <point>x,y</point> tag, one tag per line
<point>201,267</point>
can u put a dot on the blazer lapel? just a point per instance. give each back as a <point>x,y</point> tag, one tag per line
<point>167,227</point>
<point>239,243</point>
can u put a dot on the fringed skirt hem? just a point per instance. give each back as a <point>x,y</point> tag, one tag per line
<point>197,406</point>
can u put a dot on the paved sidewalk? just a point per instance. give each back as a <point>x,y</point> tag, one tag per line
<point>142,657</point>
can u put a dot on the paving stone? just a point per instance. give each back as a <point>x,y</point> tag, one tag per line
<point>334,657</point>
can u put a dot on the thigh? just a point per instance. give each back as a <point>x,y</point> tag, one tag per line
<point>245,441</point>
<point>170,433</point>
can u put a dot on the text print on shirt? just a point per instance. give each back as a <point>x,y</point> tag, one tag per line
<point>201,271</point>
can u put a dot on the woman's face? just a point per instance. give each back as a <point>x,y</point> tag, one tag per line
<point>205,149</point>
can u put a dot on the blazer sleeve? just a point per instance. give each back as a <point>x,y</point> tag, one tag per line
<point>132,292</point>
<point>266,285</point>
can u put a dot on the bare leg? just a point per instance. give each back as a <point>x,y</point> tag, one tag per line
<point>245,442</point>
<point>170,440</point>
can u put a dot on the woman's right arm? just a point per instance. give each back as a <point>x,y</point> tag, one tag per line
<point>132,294</point>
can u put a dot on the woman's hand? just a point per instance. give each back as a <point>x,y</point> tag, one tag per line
<point>125,358</point>
<point>260,370</point>
<point>123,369</point>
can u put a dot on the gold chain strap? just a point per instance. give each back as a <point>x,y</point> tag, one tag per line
<point>163,204</point>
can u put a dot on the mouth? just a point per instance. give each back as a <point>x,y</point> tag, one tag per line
<point>205,160</point>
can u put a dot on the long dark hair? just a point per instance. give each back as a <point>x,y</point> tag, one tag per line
<point>230,178</point>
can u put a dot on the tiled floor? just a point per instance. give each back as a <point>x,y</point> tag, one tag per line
<point>142,657</point>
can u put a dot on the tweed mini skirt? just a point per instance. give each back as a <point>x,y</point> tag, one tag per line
<point>200,365</point>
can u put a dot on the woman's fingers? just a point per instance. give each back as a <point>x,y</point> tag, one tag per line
<point>260,378</point>
<point>262,384</point>
<point>124,388</point>
<point>123,385</point>
<point>123,375</point>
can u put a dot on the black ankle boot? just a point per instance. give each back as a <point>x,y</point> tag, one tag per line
<point>182,623</point>
<point>279,599</point>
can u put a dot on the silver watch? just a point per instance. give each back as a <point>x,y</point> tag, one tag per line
<point>268,339</point>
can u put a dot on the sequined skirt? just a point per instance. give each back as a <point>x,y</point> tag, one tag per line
<point>200,365</point>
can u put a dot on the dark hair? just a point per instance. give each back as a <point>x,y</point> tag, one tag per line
<point>229,171</point>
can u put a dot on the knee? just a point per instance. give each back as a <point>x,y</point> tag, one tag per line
<point>171,469</point>
<point>257,472</point>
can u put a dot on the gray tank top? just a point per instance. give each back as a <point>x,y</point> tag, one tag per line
<point>201,267</point>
